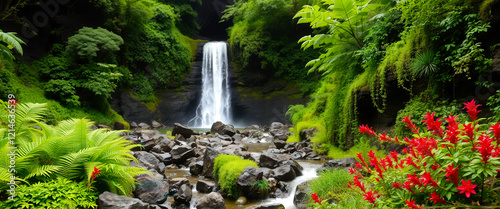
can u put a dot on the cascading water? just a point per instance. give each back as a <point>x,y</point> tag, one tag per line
<point>215,104</point>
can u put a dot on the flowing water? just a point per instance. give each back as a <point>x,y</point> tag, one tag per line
<point>215,104</point>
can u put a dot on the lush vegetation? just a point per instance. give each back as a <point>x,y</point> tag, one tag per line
<point>369,45</point>
<point>57,193</point>
<point>227,169</point>
<point>70,150</point>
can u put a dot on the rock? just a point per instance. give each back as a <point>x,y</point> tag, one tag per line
<point>298,155</point>
<point>108,200</point>
<point>184,194</point>
<point>183,130</point>
<point>284,173</point>
<point>247,179</point>
<point>268,160</point>
<point>336,163</point>
<point>296,166</point>
<point>179,137</point>
<point>181,153</point>
<point>301,198</point>
<point>271,206</point>
<point>178,182</point>
<point>118,126</point>
<point>196,168</point>
<point>222,129</point>
<point>237,138</point>
<point>307,134</point>
<point>277,128</point>
<point>150,190</point>
<point>156,124</point>
<point>147,160</point>
<point>133,125</point>
<point>208,162</point>
<point>213,200</point>
<point>143,126</point>
<point>205,186</point>
<point>241,201</point>
<point>280,136</point>
<point>279,144</point>
<point>164,157</point>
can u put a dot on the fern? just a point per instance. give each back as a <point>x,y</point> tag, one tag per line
<point>12,41</point>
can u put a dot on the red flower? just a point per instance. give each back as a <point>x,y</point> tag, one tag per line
<point>410,124</point>
<point>471,108</point>
<point>360,156</point>
<point>414,179</point>
<point>407,185</point>
<point>427,179</point>
<point>486,149</point>
<point>366,129</point>
<point>370,197</point>
<point>452,123</point>
<point>436,198</point>
<point>433,125</point>
<point>316,198</point>
<point>411,204</point>
<point>496,131</point>
<point>452,174</point>
<point>95,172</point>
<point>469,130</point>
<point>396,185</point>
<point>467,188</point>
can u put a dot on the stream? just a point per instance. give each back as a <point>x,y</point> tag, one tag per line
<point>308,173</point>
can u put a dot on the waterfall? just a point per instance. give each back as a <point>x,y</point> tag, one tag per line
<point>215,103</point>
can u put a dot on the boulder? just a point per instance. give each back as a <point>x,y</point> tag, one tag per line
<point>108,200</point>
<point>205,186</point>
<point>300,198</point>
<point>166,158</point>
<point>118,126</point>
<point>296,166</point>
<point>271,206</point>
<point>284,173</point>
<point>178,182</point>
<point>150,190</point>
<point>268,160</point>
<point>307,134</point>
<point>337,163</point>
<point>208,162</point>
<point>196,168</point>
<point>181,153</point>
<point>143,126</point>
<point>133,125</point>
<point>156,124</point>
<point>222,129</point>
<point>277,128</point>
<point>237,138</point>
<point>241,200</point>
<point>213,200</point>
<point>147,160</point>
<point>183,130</point>
<point>184,194</point>
<point>279,144</point>
<point>247,179</point>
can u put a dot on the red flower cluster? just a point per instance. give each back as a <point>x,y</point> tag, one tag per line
<point>95,173</point>
<point>429,161</point>
<point>316,198</point>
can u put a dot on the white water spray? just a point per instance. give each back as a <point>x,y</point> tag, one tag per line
<point>215,104</point>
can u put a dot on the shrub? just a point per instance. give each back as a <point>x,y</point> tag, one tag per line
<point>227,169</point>
<point>98,44</point>
<point>59,193</point>
<point>456,165</point>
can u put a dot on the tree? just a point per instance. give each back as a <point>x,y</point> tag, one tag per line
<point>98,45</point>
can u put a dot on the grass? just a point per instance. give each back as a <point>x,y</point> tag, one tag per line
<point>227,169</point>
<point>361,147</point>
<point>332,184</point>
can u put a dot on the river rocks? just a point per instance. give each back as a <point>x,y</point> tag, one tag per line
<point>183,130</point>
<point>147,160</point>
<point>178,182</point>
<point>301,198</point>
<point>284,173</point>
<point>133,125</point>
<point>118,126</point>
<point>296,166</point>
<point>208,162</point>
<point>338,163</point>
<point>212,201</point>
<point>181,153</point>
<point>205,186</point>
<point>108,200</point>
<point>279,144</point>
<point>150,190</point>
<point>222,129</point>
<point>271,206</point>
<point>184,194</point>
<point>247,179</point>
<point>241,201</point>
<point>156,125</point>
<point>268,160</point>
<point>143,126</point>
<point>196,168</point>
<point>307,134</point>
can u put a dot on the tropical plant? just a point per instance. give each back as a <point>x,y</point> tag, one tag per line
<point>346,22</point>
<point>12,42</point>
<point>425,63</point>
<point>98,44</point>
<point>57,193</point>
<point>70,149</point>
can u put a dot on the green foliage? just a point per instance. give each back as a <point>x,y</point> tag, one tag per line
<point>261,187</point>
<point>99,45</point>
<point>186,21</point>
<point>494,105</point>
<point>12,42</point>
<point>62,90</point>
<point>58,193</point>
<point>424,64</point>
<point>419,106</point>
<point>227,169</point>
<point>485,9</point>
<point>331,184</point>
<point>70,149</point>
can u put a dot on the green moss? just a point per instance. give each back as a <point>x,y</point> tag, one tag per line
<point>227,169</point>
<point>331,184</point>
<point>193,45</point>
